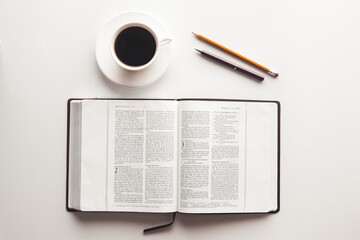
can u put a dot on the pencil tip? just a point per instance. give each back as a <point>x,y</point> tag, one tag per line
<point>198,50</point>
<point>194,33</point>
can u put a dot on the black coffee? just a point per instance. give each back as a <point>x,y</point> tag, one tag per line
<point>135,46</point>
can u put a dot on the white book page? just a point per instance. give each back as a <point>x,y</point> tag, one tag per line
<point>211,157</point>
<point>142,156</point>
<point>261,157</point>
<point>93,155</point>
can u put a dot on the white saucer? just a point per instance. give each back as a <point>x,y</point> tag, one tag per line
<point>122,76</point>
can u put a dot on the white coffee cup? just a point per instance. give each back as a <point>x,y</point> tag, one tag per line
<point>141,51</point>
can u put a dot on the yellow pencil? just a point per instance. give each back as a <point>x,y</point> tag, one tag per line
<point>268,70</point>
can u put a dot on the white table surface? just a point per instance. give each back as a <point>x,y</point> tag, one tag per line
<point>47,56</point>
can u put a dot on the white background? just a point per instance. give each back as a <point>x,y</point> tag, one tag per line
<point>47,56</point>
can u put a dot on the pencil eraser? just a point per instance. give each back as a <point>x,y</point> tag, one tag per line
<point>273,73</point>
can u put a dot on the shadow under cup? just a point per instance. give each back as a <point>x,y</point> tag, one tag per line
<point>135,46</point>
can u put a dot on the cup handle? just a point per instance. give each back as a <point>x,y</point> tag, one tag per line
<point>165,40</point>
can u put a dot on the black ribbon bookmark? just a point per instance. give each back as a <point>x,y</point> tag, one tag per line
<point>161,226</point>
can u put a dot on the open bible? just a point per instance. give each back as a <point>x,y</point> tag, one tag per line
<point>173,155</point>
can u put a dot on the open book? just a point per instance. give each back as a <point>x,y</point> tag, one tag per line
<point>173,155</point>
